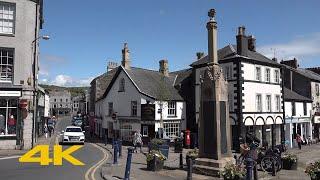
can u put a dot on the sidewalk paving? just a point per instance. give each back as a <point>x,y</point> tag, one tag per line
<point>172,172</point>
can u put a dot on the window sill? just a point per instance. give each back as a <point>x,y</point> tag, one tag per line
<point>8,35</point>
<point>8,137</point>
<point>174,116</point>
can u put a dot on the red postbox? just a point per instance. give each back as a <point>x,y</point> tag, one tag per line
<point>187,138</point>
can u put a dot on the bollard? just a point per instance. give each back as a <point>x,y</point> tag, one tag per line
<point>181,161</point>
<point>120,147</point>
<point>115,153</point>
<point>273,169</point>
<point>189,176</point>
<point>128,165</point>
<point>249,167</point>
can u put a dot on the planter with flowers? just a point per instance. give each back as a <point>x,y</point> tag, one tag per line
<point>155,160</point>
<point>233,172</point>
<point>193,154</point>
<point>313,170</point>
<point>289,161</point>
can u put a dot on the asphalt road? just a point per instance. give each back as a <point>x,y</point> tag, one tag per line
<point>89,154</point>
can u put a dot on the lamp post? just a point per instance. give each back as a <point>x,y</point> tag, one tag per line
<point>35,66</point>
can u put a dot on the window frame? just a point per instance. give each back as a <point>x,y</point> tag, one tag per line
<point>268,103</point>
<point>258,76</point>
<point>122,83</point>
<point>110,110</point>
<point>8,107</point>
<point>268,75</point>
<point>259,104</point>
<point>305,111</point>
<point>145,131</point>
<point>7,65</point>
<point>278,103</point>
<point>293,109</point>
<point>134,108</point>
<point>172,110</point>
<point>13,21</point>
<point>276,76</point>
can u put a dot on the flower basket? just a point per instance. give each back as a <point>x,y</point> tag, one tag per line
<point>289,161</point>
<point>233,172</point>
<point>193,154</point>
<point>155,160</point>
<point>313,170</point>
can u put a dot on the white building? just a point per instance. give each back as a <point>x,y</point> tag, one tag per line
<point>47,105</point>
<point>298,116</point>
<point>255,90</point>
<point>132,103</point>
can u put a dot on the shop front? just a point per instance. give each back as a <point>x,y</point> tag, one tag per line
<point>294,126</point>
<point>10,121</point>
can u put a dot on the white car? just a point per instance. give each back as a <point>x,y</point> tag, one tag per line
<point>72,134</point>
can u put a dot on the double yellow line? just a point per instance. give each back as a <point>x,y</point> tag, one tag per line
<point>92,170</point>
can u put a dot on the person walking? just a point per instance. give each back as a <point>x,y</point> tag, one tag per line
<point>299,140</point>
<point>46,130</point>
<point>137,141</point>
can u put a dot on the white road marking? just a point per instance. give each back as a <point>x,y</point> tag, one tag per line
<point>92,170</point>
<point>10,157</point>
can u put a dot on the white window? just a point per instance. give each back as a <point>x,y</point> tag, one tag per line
<point>172,129</point>
<point>267,74</point>
<point>110,108</point>
<point>278,103</point>
<point>171,108</point>
<point>317,89</point>
<point>145,131</point>
<point>6,65</point>
<point>121,85</point>
<point>7,13</point>
<point>268,101</point>
<point>258,73</point>
<point>259,103</point>
<point>276,76</point>
<point>134,106</point>
<point>126,132</point>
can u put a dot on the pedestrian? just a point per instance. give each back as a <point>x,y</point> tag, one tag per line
<point>12,125</point>
<point>45,130</point>
<point>299,140</point>
<point>309,140</point>
<point>137,141</point>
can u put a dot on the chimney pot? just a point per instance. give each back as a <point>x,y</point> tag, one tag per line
<point>164,67</point>
<point>252,43</point>
<point>242,30</point>
<point>125,57</point>
<point>200,55</point>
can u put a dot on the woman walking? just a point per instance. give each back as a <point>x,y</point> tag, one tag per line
<point>299,140</point>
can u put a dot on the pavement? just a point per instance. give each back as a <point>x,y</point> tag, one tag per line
<point>171,171</point>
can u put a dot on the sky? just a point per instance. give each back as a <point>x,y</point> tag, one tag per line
<point>85,35</point>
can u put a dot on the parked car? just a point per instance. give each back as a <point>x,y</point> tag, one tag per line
<point>72,134</point>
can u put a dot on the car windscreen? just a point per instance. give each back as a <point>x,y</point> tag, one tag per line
<point>73,130</point>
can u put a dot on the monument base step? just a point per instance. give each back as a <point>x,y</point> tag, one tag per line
<point>211,167</point>
<point>207,171</point>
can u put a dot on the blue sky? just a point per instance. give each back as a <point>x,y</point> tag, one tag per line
<point>87,34</point>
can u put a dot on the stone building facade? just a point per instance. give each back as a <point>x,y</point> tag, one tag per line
<point>60,103</point>
<point>21,21</point>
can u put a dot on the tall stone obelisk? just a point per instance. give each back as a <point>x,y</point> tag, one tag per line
<point>214,126</point>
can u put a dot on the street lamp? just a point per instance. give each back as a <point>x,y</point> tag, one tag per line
<point>35,64</point>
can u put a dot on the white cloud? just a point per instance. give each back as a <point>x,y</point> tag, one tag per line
<point>65,80</point>
<point>301,47</point>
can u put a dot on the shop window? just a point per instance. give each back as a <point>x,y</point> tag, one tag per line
<point>172,129</point>
<point>8,117</point>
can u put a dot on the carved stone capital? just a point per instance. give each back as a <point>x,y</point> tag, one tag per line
<point>212,25</point>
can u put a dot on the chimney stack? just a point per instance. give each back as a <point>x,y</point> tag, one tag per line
<point>242,42</point>
<point>292,63</point>
<point>212,37</point>
<point>111,65</point>
<point>125,57</point>
<point>164,67</point>
<point>252,43</point>
<point>200,55</point>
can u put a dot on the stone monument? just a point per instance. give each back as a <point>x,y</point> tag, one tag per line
<point>214,126</point>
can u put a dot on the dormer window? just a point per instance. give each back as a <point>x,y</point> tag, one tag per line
<point>121,85</point>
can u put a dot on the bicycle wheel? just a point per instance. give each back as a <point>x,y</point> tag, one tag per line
<point>267,163</point>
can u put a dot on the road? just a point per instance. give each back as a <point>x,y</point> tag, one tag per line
<point>89,154</point>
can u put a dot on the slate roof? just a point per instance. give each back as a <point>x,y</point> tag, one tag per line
<point>290,95</point>
<point>103,81</point>
<point>181,75</point>
<point>149,83</point>
<point>230,51</point>
<point>304,72</point>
